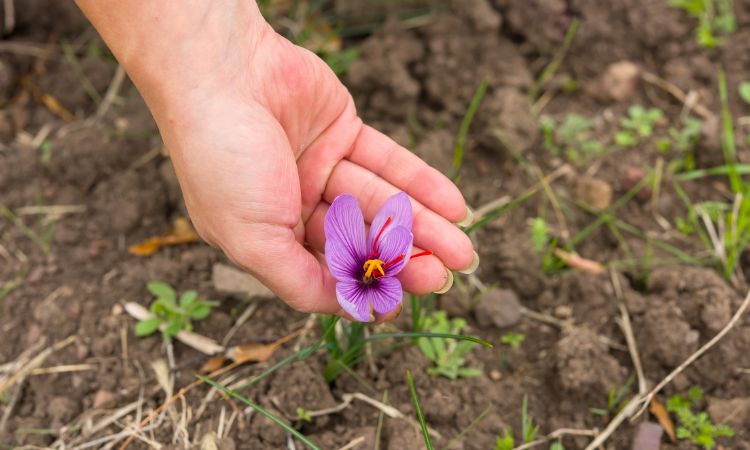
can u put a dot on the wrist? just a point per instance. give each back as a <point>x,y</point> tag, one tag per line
<point>171,49</point>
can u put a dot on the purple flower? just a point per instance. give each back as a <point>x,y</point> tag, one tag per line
<point>366,268</point>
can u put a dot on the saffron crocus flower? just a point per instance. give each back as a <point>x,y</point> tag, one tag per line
<point>366,267</point>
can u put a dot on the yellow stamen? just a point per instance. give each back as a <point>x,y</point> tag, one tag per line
<point>371,265</point>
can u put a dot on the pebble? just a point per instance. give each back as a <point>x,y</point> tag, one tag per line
<point>104,400</point>
<point>595,192</point>
<point>618,82</point>
<point>499,307</point>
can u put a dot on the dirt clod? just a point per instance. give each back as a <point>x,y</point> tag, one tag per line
<point>584,365</point>
<point>618,82</point>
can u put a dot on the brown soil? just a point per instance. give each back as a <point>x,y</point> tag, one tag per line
<point>414,84</point>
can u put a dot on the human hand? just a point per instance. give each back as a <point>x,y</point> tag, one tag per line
<point>263,136</point>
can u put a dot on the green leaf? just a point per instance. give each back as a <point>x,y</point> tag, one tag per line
<point>201,311</point>
<point>469,372</point>
<point>625,139</point>
<point>173,328</point>
<point>426,347</point>
<point>539,234</point>
<point>162,290</point>
<point>147,326</point>
<point>745,91</point>
<point>188,298</point>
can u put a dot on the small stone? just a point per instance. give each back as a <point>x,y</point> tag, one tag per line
<point>617,83</point>
<point>563,311</point>
<point>117,309</point>
<point>229,280</point>
<point>630,179</point>
<point>495,375</point>
<point>104,400</point>
<point>595,192</point>
<point>499,307</point>
<point>734,412</point>
<point>648,436</point>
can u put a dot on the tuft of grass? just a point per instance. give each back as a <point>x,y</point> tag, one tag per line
<point>420,414</point>
<point>225,390</point>
<point>175,314</point>
<point>615,398</point>
<point>529,430</point>
<point>463,129</point>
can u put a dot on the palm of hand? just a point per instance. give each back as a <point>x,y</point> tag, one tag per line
<point>264,157</point>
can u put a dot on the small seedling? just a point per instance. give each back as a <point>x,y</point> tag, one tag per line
<point>513,340</point>
<point>695,427</point>
<point>303,414</point>
<point>572,139</point>
<point>175,315</point>
<point>447,356</point>
<point>615,398</point>
<point>506,441</point>
<point>545,245</point>
<point>716,20</point>
<point>529,430</point>
<point>684,142</point>
<point>638,124</point>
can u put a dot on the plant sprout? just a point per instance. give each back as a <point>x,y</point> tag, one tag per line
<point>171,315</point>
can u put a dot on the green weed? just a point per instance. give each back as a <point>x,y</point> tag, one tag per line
<point>695,427</point>
<point>638,124</point>
<point>572,138</point>
<point>716,20</point>
<point>463,130</point>
<point>176,315</point>
<point>744,90</point>
<point>512,339</point>
<point>447,356</point>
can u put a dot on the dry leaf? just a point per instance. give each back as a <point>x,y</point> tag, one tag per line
<point>56,107</point>
<point>181,233</point>
<point>576,262</point>
<point>660,412</point>
<point>213,364</point>
<point>252,352</point>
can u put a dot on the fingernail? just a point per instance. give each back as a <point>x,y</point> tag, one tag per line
<point>468,218</point>
<point>472,266</point>
<point>448,283</point>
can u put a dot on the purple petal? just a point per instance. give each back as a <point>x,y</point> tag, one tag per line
<point>345,247</point>
<point>393,244</point>
<point>352,296</point>
<point>398,208</point>
<point>386,295</point>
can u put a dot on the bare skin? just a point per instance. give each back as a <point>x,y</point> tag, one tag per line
<point>263,136</point>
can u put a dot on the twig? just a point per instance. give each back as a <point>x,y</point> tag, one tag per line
<point>111,94</point>
<point>557,434</point>
<point>62,369</point>
<point>676,92</point>
<point>34,363</point>
<point>244,317</point>
<point>627,330</point>
<point>11,405</point>
<point>353,443</point>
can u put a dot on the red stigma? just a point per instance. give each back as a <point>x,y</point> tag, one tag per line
<point>377,238</point>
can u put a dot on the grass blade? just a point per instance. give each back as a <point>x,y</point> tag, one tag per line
<point>463,130</point>
<point>554,65</point>
<point>499,211</point>
<point>741,169</point>
<point>418,334</point>
<point>420,414</point>
<point>727,138</point>
<point>261,410</point>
